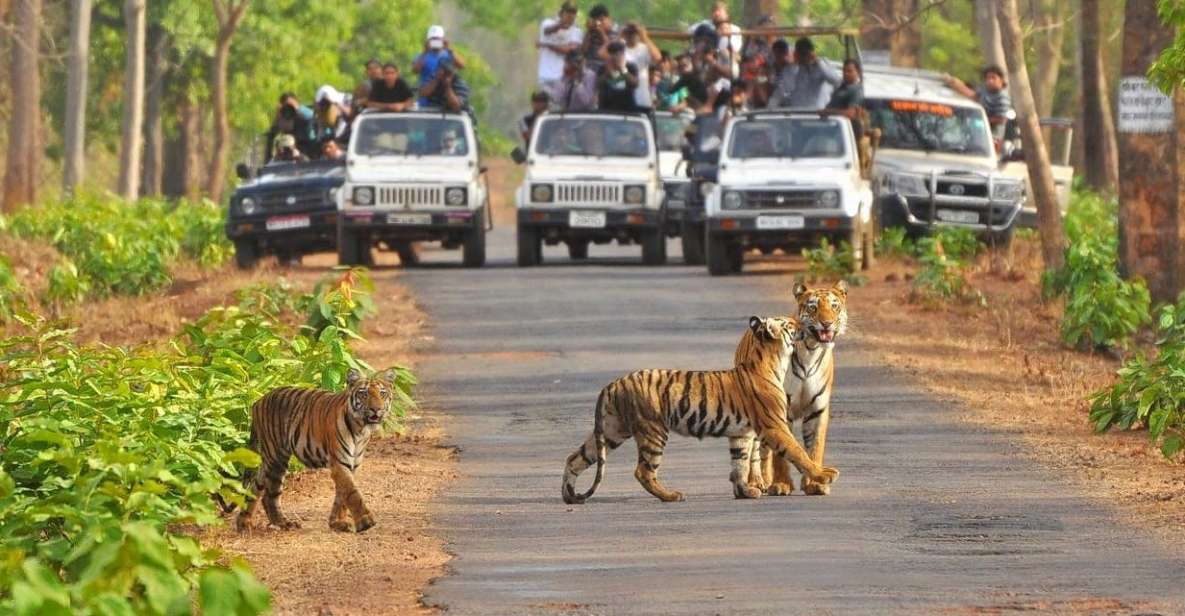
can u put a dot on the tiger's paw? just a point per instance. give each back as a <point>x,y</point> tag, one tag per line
<point>242,523</point>
<point>757,482</point>
<point>365,522</point>
<point>825,475</point>
<point>743,491</point>
<point>286,524</point>
<point>340,526</point>
<point>815,489</point>
<point>779,488</point>
<point>673,496</point>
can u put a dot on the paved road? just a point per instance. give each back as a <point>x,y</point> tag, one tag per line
<point>929,515</point>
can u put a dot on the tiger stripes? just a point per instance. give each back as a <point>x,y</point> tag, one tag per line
<point>322,429</point>
<point>742,404</point>
<point>823,313</point>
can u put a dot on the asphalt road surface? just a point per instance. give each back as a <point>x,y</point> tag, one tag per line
<point>929,515</point>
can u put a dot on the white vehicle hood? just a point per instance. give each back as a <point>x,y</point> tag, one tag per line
<point>411,170</point>
<point>592,170</point>
<point>919,162</point>
<point>784,173</point>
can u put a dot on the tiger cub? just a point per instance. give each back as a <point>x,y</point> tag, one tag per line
<point>322,429</point>
<point>742,404</point>
<point>823,313</point>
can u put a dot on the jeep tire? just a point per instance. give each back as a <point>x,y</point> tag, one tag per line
<point>246,253</point>
<point>473,250</point>
<point>530,247</point>
<point>349,250</point>
<point>654,247</point>
<point>692,239</point>
<point>723,257</point>
<point>578,250</point>
<point>408,255</point>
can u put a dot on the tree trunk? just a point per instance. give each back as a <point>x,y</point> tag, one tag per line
<point>1049,220</point>
<point>1049,55</point>
<point>158,45</point>
<point>755,9</point>
<point>876,34</point>
<point>78,62</point>
<point>133,100</point>
<point>1151,216</point>
<point>24,156</point>
<point>989,33</point>
<point>1101,164</point>
<point>890,25</point>
<point>229,14</point>
<point>182,156</point>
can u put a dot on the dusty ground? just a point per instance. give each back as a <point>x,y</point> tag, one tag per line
<point>1007,366</point>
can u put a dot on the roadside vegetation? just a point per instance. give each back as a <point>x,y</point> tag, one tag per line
<point>111,456</point>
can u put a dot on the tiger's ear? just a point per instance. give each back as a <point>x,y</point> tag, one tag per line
<point>387,376</point>
<point>757,325</point>
<point>841,288</point>
<point>353,376</point>
<point>799,290</point>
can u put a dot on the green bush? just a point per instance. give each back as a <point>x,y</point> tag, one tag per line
<point>1151,390</point>
<point>12,294</point>
<point>895,242</point>
<point>943,258</point>
<point>123,248</point>
<point>108,454</point>
<point>829,262</point>
<point>1101,308</point>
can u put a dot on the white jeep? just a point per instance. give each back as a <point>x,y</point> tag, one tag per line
<point>411,177</point>
<point>786,179</point>
<point>591,177</point>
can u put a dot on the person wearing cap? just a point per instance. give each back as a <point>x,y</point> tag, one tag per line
<point>618,81</point>
<point>295,120</point>
<point>577,88</point>
<point>600,31</point>
<point>391,93</point>
<point>446,90</point>
<point>557,36</point>
<point>539,103</point>
<point>436,50</point>
<point>641,52</point>
<point>286,150</point>
<point>807,83</point>
<point>331,113</point>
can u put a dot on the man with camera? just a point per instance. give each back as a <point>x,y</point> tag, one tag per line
<point>577,88</point>
<point>436,51</point>
<point>446,90</point>
<point>295,120</point>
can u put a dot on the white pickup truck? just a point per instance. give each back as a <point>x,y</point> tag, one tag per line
<point>591,177</point>
<point>412,177</point>
<point>786,179</point>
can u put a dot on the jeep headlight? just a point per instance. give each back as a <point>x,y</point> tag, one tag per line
<point>829,199</point>
<point>455,196</point>
<point>905,184</point>
<point>1008,191</point>
<point>635,194</point>
<point>249,206</point>
<point>541,193</point>
<point>363,195</point>
<point>733,200</point>
<point>705,189</point>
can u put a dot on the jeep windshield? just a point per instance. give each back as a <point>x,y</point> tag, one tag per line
<point>282,171</point>
<point>671,132</point>
<point>930,127</point>
<point>410,136</point>
<point>787,138</point>
<point>593,137</point>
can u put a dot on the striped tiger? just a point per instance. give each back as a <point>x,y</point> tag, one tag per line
<point>823,312</point>
<point>742,404</point>
<point>322,429</point>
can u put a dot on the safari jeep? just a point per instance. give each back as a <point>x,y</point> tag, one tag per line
<point>682,211</point>
<point>936,163</point>
<point>785,180</point>
<point>413,177</point>
<point>591,178</point>
<point>288,209</point>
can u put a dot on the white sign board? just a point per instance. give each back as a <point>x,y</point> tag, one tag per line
<point>1143,108</point>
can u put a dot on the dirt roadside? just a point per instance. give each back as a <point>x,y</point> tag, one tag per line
<point>1007,369</point>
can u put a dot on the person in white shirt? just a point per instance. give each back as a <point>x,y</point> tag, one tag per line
<point>557,36</point>
<point>728,36</point>
<point>642,52</point>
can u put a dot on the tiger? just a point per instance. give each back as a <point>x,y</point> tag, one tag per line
<point>322,429</point>
<point>823,312</point>
<point>742,404</point>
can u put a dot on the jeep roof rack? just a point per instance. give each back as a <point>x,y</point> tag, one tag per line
<point>849,36</point>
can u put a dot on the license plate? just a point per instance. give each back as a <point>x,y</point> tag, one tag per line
<point>780,222</point>
<point>409,219</point>
<point>280,223</point>
<point>591,220</point>
<point>957,216</point>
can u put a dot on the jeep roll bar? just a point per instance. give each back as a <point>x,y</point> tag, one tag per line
<point>849,36</point>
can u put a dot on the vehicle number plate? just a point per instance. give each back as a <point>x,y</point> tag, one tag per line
<point>593,220</point>
<point>780,222</point>
<point>957,216</point>
<point>280,223</point>
<point>409,219</point>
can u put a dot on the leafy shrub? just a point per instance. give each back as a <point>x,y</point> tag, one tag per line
<point>11,292</point>
<point>1101,308</point>
<point>341,303</point>
<point>958,243</point>
<point>123,248</point>
<point>107,454</point>
<point>829,262</point>
<point>895,242</point>
<point>942,276</point>
<point>1151,390</point>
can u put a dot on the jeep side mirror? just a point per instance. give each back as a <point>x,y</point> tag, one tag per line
<point>518,155</point>
<point>243,171</point>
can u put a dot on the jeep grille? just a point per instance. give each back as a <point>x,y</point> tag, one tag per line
<point>781,199</point>
<point>410,196</point>
<point>587,193</point>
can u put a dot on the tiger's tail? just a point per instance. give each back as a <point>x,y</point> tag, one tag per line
<point>579,461</point>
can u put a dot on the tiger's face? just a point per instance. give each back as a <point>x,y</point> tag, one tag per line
<point>778,331</point>
<point>823,311</point>
<point>370,399</point>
